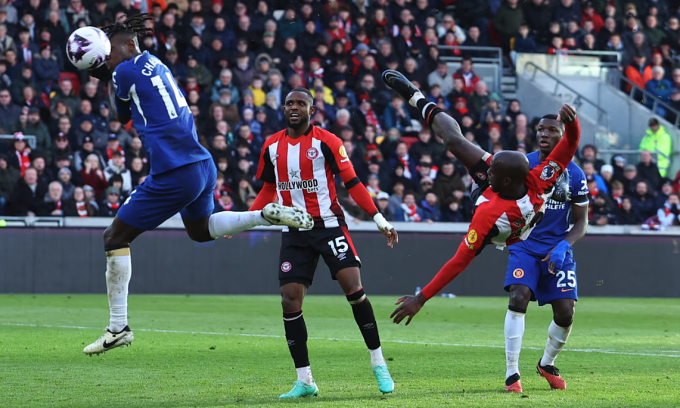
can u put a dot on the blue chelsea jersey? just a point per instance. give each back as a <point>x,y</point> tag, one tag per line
<point>160,113</point>
<point>555,224</point>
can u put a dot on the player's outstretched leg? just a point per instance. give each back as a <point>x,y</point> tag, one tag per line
<point>292,295</point>
<point>230,223</point>
<point>350,280</point>
<point>117,239</point>
<point>442,124</point>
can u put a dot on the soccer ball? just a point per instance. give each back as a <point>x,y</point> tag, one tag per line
<point>88,47</point>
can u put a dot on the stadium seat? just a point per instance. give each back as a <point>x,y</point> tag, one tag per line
<point>409,140</point>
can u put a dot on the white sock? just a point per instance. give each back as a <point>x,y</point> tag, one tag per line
<point>230,223</point>
<point>514,330</point>
<point>118,273</point>
<point>415,98</point>
<point>557,337</point>
<point>305,375</point>
<point>377,357</point>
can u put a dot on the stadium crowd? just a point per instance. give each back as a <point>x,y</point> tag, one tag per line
<point>235,62</point>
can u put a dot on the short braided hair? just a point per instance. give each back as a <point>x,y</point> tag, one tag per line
<point>134,25</point>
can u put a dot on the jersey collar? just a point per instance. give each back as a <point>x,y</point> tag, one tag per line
<point>309,130</point>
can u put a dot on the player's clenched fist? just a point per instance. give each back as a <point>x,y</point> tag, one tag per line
<point>567,114</point>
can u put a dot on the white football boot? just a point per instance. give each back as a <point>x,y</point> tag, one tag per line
<point>110,340</point>
<point>290,216</point>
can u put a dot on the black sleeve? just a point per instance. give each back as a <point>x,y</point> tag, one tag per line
<point>266,170</point>
<point>330,158</point>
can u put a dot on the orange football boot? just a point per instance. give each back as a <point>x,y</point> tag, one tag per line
<point>552,374</point>
<point>513,384</point>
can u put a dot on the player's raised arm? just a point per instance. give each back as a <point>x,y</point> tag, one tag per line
<point>480,227</point>
<point>567,147</point>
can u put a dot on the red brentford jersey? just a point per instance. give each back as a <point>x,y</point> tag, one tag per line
<point>502,221</point>
<point>304,170</point>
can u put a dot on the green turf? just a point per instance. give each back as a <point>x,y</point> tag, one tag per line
<point>229,351</point>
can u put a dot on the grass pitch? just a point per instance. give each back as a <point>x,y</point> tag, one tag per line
<point>209,351</point>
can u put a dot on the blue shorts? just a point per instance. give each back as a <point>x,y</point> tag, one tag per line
<point>188,190</point>
<point>529,270</point>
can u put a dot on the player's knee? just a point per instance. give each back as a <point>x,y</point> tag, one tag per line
<point>110,237</point>
<point>291,302</point>
<point>200,237</point>
<point>520,296</point>
<point>564,315</point>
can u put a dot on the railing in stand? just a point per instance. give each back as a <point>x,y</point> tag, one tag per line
<point>579,99</point>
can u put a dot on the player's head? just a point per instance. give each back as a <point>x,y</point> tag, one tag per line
<point>298,108</point>
<point>124,34</point>
<point>548,133</point>
<point>508,171</point>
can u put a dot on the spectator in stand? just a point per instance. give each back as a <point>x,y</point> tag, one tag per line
<point>397,116</point>
<point>648,170</point>
<point>661,88</point>
<point>45,175</point>
<point>643,200</point>
<point>669,214</point>
<point>28,195</point>
<point>672,30</point>
<point>31,125</point>
<point>628,214</point>
<point>589,171</point>
<point>66,94</point>
<point>409,210</point>
<point>465,72</point>
<point>93,175</point>
<point>566,11</point>
<point>53,200</point>
<point>9,111</point>
<point>589,14</point>
<point>46,69</point>
<point>78,205</point>
<point>64,177</point>
<point>655,35</point>
<point>430,208</point>
<point>589,153</point>
<point>109,207</point>
<point>8,179</point>
<point>607,174</point>
<point>663,194</point>
<point>382,203</point>
<point>638,72</point>
<point>630,178</point>
<point>658,142</point>
<point>441,77</point>
<point>507,21</point>
<point>19,157</point>
<point>600,205</point>
<point>397,197</point>
<point>523,43</point>
<point>117,166</point>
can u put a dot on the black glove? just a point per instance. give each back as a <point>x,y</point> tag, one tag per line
<point>102,73</point>
<point>562,191</point>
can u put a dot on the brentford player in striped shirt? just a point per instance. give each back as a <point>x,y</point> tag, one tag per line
<point>298,167</point>
<point>506,213</point>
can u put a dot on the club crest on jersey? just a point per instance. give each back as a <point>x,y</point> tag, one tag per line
<point>312,153</point>
<point>547,173</point>
<point>518,273</point>
<point>286,267</point>
<point>480,175</point>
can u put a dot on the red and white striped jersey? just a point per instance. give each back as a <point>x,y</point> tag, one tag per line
<point>505,221</point>
<point>304,170</point>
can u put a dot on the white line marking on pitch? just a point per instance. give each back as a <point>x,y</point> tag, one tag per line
<point>276,336</point>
